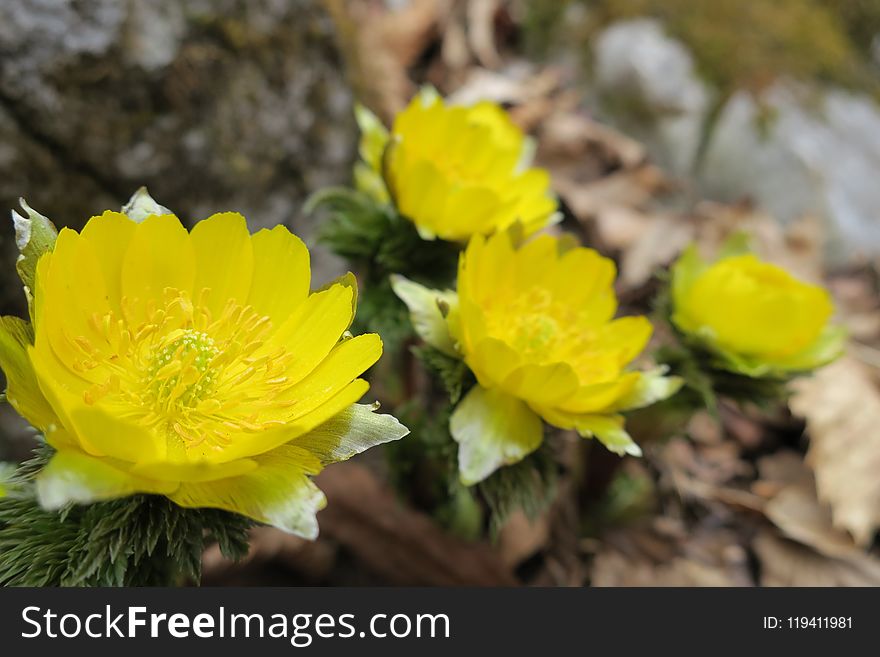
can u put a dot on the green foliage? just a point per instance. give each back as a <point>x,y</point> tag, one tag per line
<point>631,495</point>
<point>861,18</point>
<point>542,22</point>
<point>704,382</point>
<point>379,242</point>
<point>453,373</point>
<point>34,236</point>
<point>144,540</point>
<point>376,237</point>
<point>529,485</point>
<point>381,311</point>
<point>6,472</point>
<point>426,467</point>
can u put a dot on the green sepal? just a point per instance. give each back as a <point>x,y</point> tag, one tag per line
<point>35,235</point>
<point>141,205</point>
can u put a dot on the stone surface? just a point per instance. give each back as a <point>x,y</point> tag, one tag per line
<point>794,150</point>
<point>648,85</point>
<point>812,154</point>
<point>214,105</point>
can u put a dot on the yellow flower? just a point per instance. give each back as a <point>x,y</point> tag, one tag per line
<point>755,317</point>
<point>456,171</point>
<point>535,325</point>
<point>192,365</point>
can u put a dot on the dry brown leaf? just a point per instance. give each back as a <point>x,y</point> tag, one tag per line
<point>519,86</point>
<point>813,552</point>
<point>643,557</point>
<point>481,31</point>
<point>659,245</point>
<point>706,473</point>
<point>786,563</point>
<point>704,429</point>
<point>379,46</point>
<point>858,305</point>
<point>778,470</point>
<point>571,134</point>
<point>841,404</point>
<point>799,515</point>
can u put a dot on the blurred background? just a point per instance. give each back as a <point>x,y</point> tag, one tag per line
<point>661,122</point>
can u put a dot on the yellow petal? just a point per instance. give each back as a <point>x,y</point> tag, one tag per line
<point>248,445</point>
<point>61,387</point>
<point>348,360</point>
<point>652,386</point>
<point>224,259</point>
<point>585,280</point>
<point>542,384</point>
<point>492,361</point>
<point>73,290</point>
<point>351,432</point>
<point>536,262</point>
<point>314,329</point>
<point>468,210</point>
<point>278,492</point>
<point>608,429</point>
<point>281,275</point>
<point>600,397</point>
<point>74,477</point>
<point>195,471</point>
<point>625,337</point>
<point>22,389</point>
<point>492,429</point>
<point>159,256</point>
<point>103,433</point>
<point>110,234</point>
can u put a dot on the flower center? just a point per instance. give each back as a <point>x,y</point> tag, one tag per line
<point>180,373</point>
<point>196,376</point>
<point>534,324</point>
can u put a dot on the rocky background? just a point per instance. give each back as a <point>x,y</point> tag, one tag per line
<point>661,122</point>
<point>214,105</point>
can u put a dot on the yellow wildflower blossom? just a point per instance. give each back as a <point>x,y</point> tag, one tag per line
<point>535,325</point>
<point>455,171</point>
<point>755,317</point>
<point>192,365</point>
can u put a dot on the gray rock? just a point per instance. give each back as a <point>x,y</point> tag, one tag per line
<point>816,154</point>
<point>794,151</point>
<point>214,105</point>
<point>649,87</point>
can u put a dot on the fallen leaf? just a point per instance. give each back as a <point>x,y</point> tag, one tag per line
<point>841,404</point>
<point>659,245</point>
<point>481,31</point>
<point>786,563</point>
<point>643,557</point>
<point>800,516</point>
<point>778,470</point>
